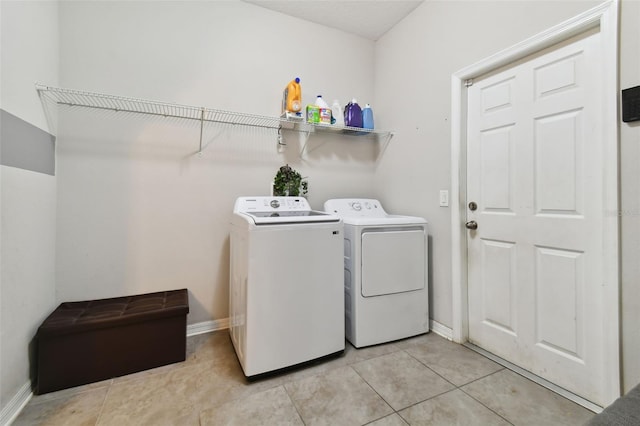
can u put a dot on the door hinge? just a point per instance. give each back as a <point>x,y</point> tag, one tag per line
<point>468,83</point>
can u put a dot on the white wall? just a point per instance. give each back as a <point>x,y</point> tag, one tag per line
<point>630,197</point>
<point>29,54</point>
<point>137,211</point>
<point>29,46</point>
<point>414,64</point>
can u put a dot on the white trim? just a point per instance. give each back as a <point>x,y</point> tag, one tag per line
<point>460,309</point>
<point>611,285</point>
<point>604,16</point>
<point>207,326</point>
<point>441,330</point>
<point>223,324</point>
<point>592,18</point>
<point>11,411</point>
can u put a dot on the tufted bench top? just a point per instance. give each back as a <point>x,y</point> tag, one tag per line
<point>73,317</point>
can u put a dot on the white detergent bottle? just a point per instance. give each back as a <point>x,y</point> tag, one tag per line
<point>321,103</point>
<point>325,111</point>
<point>337,117</point>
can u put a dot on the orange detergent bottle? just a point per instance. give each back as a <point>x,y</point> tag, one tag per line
<point>292,98</point>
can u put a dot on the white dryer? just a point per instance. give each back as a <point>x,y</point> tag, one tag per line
<point>385,272</point>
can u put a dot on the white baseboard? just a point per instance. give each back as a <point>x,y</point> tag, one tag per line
<point>223,324</point>
<point>207,326</point>
<point>14,407</point>
<point>441,330</point>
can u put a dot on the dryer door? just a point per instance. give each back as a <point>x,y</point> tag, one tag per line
<point>393,261</point>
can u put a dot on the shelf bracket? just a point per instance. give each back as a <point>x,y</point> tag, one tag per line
<point>281,141</point>
<point>201,129</point>
<point>306,133</point>
<point>385,144</point>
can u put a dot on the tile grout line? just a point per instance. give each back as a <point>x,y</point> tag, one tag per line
<point>456,387</point>
<point>484,405</point>
<point>104,402</point>
<point>428,399</point>
<point>411,405</point>
<point>293,403</point>
<point>434,371</point>
<point>376,392</point>
<point>480,402</point>
<point>483,377</point>
<point>419,402</point>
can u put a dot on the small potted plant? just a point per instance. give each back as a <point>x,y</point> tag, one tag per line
<point>288,182</point>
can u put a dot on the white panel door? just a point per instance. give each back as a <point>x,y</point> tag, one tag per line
<point>535,173</point>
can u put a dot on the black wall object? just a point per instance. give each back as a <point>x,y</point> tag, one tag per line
<point>631,104</point>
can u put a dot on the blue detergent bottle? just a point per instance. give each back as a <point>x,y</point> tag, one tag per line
<point>353,114</point>
<point>367,117</point>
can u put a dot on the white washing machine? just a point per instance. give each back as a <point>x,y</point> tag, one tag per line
<point>385,272</point>
<point>286,302</point>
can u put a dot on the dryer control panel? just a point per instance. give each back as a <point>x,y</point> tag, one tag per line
<point>355,207</point>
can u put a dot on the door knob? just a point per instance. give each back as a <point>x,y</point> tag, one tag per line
<point>472,224</point>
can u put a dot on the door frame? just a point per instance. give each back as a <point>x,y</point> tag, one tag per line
<point>604,17</point>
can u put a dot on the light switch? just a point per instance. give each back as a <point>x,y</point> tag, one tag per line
<point>444,198</point>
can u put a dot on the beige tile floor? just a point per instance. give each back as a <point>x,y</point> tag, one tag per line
<point>425,380</point>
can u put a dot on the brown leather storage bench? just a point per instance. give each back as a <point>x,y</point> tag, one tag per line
<point>84,342</point>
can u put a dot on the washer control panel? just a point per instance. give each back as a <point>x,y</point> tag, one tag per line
<point>268,204</point>
<point>358,207</point>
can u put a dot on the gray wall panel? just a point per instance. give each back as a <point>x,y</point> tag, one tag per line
<point>26,146</point>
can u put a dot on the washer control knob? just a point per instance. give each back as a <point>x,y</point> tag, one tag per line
<point>275,204</point>
<point>356,206</point>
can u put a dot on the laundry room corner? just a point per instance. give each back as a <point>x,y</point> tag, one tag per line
<point>138,202</point>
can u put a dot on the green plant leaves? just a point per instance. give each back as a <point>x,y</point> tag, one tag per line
<point>289,182</point>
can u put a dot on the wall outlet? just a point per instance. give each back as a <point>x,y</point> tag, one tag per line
<point>444,198</point>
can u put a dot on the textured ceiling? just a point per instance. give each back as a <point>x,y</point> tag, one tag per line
<point>366,18</point>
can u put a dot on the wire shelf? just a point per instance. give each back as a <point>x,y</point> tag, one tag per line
<point>79,98</point>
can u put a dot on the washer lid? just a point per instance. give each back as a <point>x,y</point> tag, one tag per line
<point>282,217</point>
<point>280,210</point>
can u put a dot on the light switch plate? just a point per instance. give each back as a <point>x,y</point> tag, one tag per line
<point>444,198</point>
